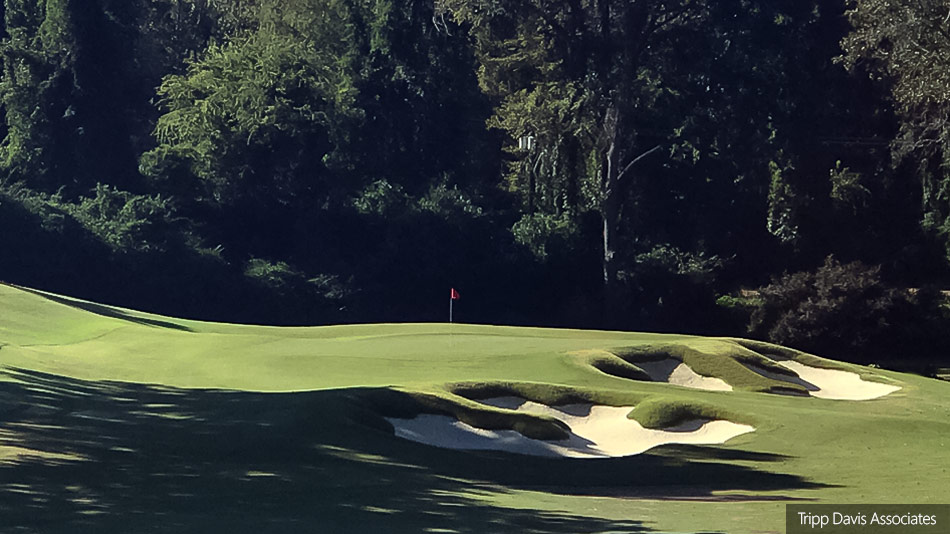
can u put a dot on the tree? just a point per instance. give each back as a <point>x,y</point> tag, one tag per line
<point>423,113</point>
<point>906,44</point>
<point>258,119</point>
<point>77,80</point>
<point>62,91</point>
<point>577,83</point>
<point>38,60</point>
<point>678,123</point>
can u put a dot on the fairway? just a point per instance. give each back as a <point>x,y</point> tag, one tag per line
<point>113,420</point>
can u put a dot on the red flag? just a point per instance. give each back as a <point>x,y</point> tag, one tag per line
<point>454,295</point>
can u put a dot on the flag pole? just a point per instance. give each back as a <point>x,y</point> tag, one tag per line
<point>453,295</point>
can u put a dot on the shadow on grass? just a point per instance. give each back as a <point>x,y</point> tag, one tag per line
<point>129,458</point>
<point>105,311</point>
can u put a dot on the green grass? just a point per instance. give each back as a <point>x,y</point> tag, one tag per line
<point>138,422</point>
<point>611,364</point>
<point>662,413</point>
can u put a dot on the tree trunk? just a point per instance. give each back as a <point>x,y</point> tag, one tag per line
<point>616,170</point>
<point>610,215</point>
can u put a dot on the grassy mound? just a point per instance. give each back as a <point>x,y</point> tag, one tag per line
<point>478,415</point>
<point>779,352</point>
<point>611,364</point>
<point>550,394</point>
<point>658,413</point>
<point>724,358</point>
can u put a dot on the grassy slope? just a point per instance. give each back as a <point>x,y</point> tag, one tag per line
<point>902,439</point>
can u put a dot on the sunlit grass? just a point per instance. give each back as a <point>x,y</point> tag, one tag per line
<point>220,411</point>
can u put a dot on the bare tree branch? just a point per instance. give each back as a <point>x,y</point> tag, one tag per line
<point>635,160</point>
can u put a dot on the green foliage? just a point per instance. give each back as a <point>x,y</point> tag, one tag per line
<point>444,200</point>
<point>936,193</point>
<point>554,118</point>
<point>262,115</point>
<point>381,198</point>
<point>287,281</point>
<point>782,203</point>
<point>422,112</point>
<point>847,305</point>
<point>73,94</point>
<point>542,232</point>
<point>665,282</point>
<point>472,141</point>
<point>37,63</point>
<point>847,188</point>
<point>664,258</point>
<point>572,113</point>
<point>903,43</point>
<point>123,221</point>
<point>126,221</point>
<point>737,303</point>
<point>846,310</point>
<point>278,275</point>
<point>46,207</point>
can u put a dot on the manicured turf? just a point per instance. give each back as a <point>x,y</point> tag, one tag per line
<point>117,421</point>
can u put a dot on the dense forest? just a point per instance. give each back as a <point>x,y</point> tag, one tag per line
<point>774,169</point>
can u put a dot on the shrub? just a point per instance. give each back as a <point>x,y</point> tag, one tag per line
<point>126,221</point>
<point>668,289</point>
<point>847,311</point>
<point>541,232</point>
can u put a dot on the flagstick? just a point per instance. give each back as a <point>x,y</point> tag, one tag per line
<point>453,295</point>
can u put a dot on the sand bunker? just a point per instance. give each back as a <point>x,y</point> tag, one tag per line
<point>596,431</point>
<point>836,384</point>
<point>678,373</point>
<point>828,383</point>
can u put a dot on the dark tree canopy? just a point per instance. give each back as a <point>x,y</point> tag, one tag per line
<point>595,163</point>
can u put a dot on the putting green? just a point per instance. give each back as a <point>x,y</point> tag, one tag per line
<point>117,420</point>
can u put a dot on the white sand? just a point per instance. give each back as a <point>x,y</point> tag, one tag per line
<point>596,431</point>
<point>679,374</point>
<point>835,384</point>
<point>828,383</point>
